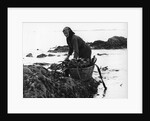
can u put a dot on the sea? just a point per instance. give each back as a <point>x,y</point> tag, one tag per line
<point>113,64</point>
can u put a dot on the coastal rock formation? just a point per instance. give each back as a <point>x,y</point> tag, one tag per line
<point>49,55</point>
<point>29,55</point>
<point>41,55</point>
<point>42,64</point>
<point>99,44</point>
<point>115,42</point>
<point>39,82</point>
<point>102,54</point>
<point>64,48</point>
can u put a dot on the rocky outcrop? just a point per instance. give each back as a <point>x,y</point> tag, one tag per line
<point>41,56</point>
<point>41,64</point>
<point>115,42</point>
<point>49,55</point>
<point>39,82</point>
<point>99,44</point>
<point>29,55</point>
<point>102,54</point>
<point>64,48</point>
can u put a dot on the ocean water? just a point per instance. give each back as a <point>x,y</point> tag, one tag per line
<point>113,65</point>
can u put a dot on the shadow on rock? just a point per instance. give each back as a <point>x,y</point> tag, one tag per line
<point>39,82</point>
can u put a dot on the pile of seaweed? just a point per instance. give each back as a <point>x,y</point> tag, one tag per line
<point>41,82</point>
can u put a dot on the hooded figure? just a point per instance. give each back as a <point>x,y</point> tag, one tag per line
<point>77,45</point>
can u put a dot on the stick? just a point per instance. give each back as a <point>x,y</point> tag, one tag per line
<point>101,76</point>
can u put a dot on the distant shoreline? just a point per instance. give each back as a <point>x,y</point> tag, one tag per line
<point>115,42</point>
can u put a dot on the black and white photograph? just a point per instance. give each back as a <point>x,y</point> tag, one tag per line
<point>75,60</point>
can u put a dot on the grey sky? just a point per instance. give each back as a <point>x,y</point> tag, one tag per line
<point>45,35</point>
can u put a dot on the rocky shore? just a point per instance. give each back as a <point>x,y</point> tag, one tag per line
<point>39,82</point>
<point>115,42</point>
<point>64,48</point>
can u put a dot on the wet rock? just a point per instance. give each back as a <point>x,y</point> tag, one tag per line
<point>101,54</point>
<point>41,64</point>
<point>64,48</point>
<point>52,51</point>
<point>26,70</point>
<point>105,68</point>
<point>39,82</point>
<point>41,56</point>
<point>49,55</point>
<point>54,66</point>
<point>29,55</point>
<point>98,44</point>
<point>115,42</point>
<point>114,70</point>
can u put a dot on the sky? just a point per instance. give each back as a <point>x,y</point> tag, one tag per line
<point>45,35</point>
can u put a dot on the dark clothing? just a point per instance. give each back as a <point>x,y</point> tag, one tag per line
<point>80,48</point>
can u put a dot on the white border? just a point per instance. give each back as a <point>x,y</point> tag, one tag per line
<point>17,104</point>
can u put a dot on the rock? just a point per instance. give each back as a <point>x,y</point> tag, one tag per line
<point>33,68</point>
<point>114,70</point>
<point>26,70</point>
<point>41,64</point>
<point>41,56</point>
<point>98,44</point>
<point>52,51</point>
<point>29,55</point>
<point>49,84</point>
<point>115,42</point>
<point>64,48</point>
<point>105,68</point>
<point>50,55</point>
<point>54,66</point>
<point>101,54</point>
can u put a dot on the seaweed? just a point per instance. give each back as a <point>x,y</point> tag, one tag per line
<point>39,82</point>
